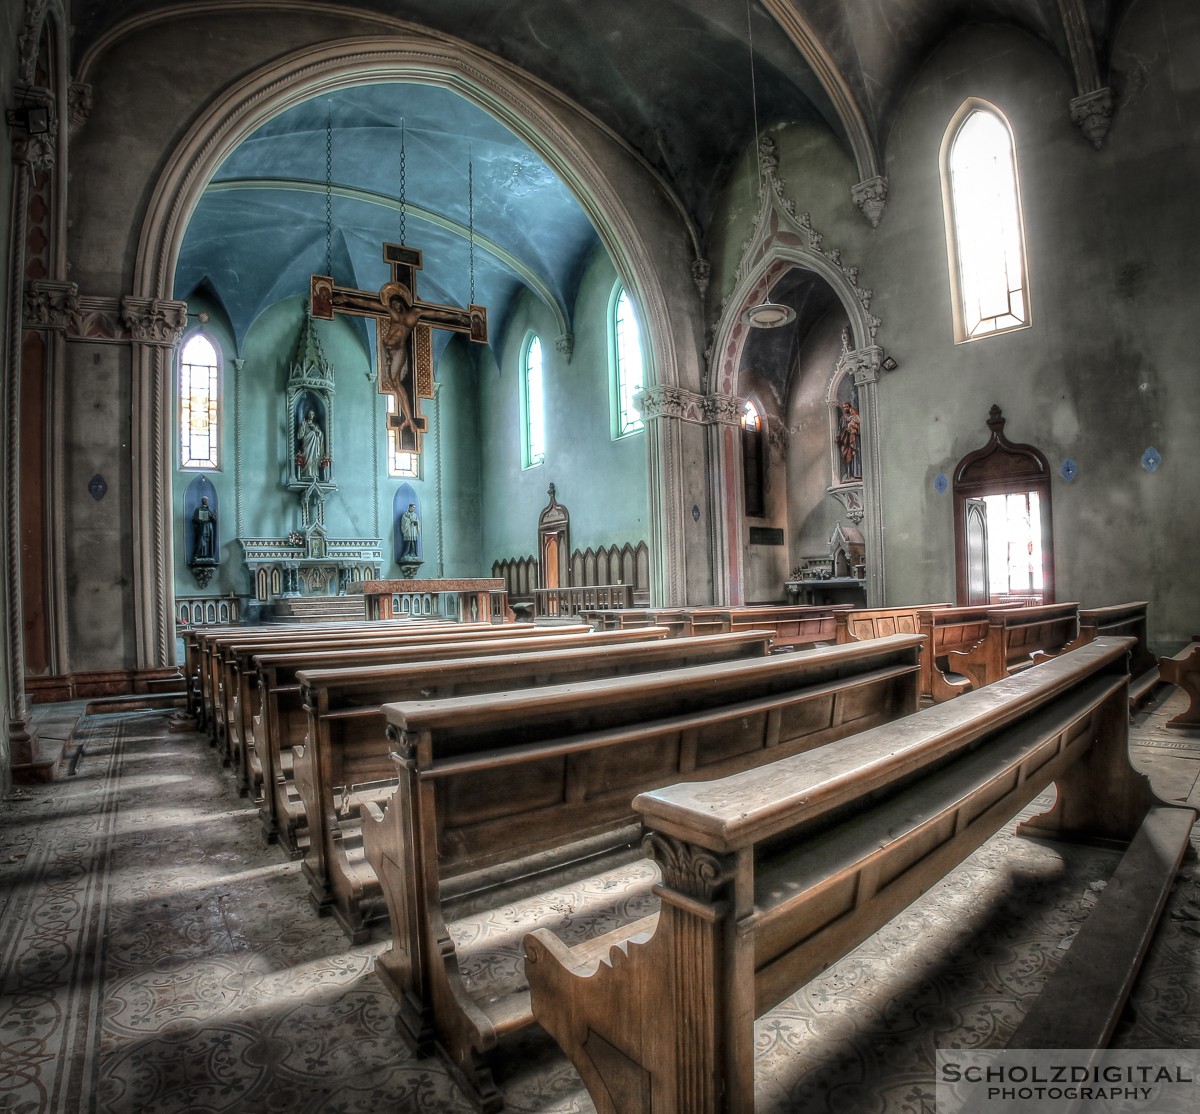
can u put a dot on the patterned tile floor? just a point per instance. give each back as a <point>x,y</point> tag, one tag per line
<point>156,957</point>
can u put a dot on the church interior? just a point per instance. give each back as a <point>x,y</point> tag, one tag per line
<point>622,368</point>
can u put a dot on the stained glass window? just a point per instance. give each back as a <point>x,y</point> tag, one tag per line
<point>199,404</point>
<point>627,364</point>
<point>534,413</point>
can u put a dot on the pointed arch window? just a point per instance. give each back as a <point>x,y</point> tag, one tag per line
<point>400,463</point>
<point>625,344</point>
<point>754,465</point>
<point>533,421</point>
<point>199,404</point>
<point>985,234</point>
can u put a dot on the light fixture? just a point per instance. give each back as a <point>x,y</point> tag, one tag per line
<point>33,119</point>
<point>767,314</point>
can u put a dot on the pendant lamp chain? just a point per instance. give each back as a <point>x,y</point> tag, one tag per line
<point>329,190</point>
<point>471,221</point>
<point>403,183</point>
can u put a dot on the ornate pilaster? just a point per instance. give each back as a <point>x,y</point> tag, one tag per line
<point>863,366</point>
<point>871,198</point>
<point>27,43</point>
<point>155,326</point>
<point>36,152</point>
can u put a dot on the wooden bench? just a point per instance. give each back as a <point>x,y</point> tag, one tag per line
<point>500,795</point>
<point>280,721</point>
<point>857,623</point>
<point>238,676</point>
<point>211,645</point>
<point>949,629</point>
<point>345,758</point>
<point>1183,669</point>
<point>1016,638</point>
<point>1115,621</point>
<point>771,875</point>
<point>799,625</point>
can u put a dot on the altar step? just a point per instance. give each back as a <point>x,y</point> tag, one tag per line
<point>319,609</point>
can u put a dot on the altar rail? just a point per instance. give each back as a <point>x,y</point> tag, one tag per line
<point>569,602</point>
<point>471,600</point>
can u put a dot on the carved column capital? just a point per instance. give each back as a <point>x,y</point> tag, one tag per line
<point>1093,113</point>
<point>79,105</point>
<point>564,345</point>
<point>871,198</point>
<point>722,409</point>
<point>688,869</point>
<point>862,364</point>
<point>671,402</point>
<point>154,321</point>
<point>701,275</point>
<point>51,305</point>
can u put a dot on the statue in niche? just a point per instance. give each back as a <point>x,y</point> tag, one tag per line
<point>310,448</point>
<point>410,533</point>
<point>849,436</point>
<point>204,534</point>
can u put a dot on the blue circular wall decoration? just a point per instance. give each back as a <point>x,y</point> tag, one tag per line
<point>1069,470</point>
<point>97,487</point>
<point>1151,460</point>
<point>695,513</point>
<point>940,483</point>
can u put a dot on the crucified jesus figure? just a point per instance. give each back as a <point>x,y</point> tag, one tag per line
<point>396,335</point>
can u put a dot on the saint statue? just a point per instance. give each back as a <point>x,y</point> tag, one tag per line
<point>410,531</point>
<point>848,437</point>
<point>310,448</point>
<point>204,533</point>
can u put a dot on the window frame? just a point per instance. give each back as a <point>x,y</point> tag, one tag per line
<point>965,332</point>
<point>529,457</point>
<point>394,452</point>
<point>754,460</point>
<point>620,426</point>
<point>217,407</point>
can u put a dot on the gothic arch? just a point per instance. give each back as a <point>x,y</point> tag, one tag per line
<point>780,242</point>
<point>548,124</point>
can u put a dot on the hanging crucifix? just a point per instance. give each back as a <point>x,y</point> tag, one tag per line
<point>404,327</point>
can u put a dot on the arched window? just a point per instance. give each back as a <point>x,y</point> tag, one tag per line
<point>985,236</point>
<point>400,463</point>
<point>754,467</point>
<point>625,344</point>
<point>533,419</point>
<point>199,404</point>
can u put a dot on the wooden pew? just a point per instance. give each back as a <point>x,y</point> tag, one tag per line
<point>1183,669</point>
<point>949,629</point>
<point>794,625</point>
<point>279,720</point>
<point>503,795</point>
<point>769,876</point>
<point>1016,638</point>
<point>857,623</point>
<point>1115,621</point>
<point>346,741</point>
<point>210,643</point>
<point>237,685</point>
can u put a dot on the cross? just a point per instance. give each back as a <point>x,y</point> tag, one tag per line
<point>404,327</point>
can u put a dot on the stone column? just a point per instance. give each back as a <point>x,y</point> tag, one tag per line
<point>31,155</point>
<point>155,327</point>
<point>723,414</point>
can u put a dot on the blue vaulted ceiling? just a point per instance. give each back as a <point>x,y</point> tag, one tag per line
<point>260,229</point>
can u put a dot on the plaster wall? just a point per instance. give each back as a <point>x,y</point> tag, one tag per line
<point>600,479</point>
<point>1107,368</point>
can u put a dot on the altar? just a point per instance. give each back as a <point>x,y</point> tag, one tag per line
<point>464,600</point>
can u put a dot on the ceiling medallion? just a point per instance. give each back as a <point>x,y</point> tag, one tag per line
<point>769,315</point>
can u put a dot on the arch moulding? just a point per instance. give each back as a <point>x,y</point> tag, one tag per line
<point>600,183</point>
<point>779,242</point>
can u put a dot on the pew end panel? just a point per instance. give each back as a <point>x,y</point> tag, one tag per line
<point>772,874</point>
<point>1183,669</point>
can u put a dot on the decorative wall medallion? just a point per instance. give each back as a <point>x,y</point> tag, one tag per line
<point>97,487</point>
<point>940,483</point>
<point>1069,470</point>
<point>695,513</point>
<point>1151,460</point>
